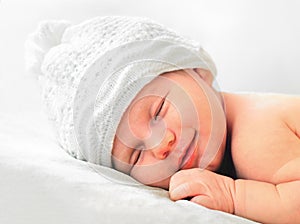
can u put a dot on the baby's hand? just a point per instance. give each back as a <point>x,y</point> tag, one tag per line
<point>204,187</point>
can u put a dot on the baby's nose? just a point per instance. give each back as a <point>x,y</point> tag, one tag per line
<point>162,150</point>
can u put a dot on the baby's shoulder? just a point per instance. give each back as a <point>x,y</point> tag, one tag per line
<point>266,137</point>
<point>266,113</point>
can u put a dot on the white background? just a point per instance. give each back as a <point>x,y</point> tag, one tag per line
<point>254,43</point>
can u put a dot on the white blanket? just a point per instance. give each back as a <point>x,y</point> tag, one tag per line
<point>40,183</point>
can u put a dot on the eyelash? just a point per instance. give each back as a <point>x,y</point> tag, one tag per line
<point>138,151</point>
<point>161,104</point>
<point>137,157</point>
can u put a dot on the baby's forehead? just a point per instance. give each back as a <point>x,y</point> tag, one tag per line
<point>144,99</point>
<point>160,82</point>
<point>156,87</point>
<point>160,87</point>
<point>148,95</point>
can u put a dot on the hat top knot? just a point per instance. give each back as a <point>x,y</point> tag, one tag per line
<point>47,35</point>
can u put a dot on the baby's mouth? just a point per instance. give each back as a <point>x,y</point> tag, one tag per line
<point>187,154</point>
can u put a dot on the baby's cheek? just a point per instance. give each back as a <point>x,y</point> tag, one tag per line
<point>173,119</point>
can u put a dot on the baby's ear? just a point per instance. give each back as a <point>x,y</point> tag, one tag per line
<point>206,75</point>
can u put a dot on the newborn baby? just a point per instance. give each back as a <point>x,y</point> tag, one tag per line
<point>264,133</point>
<point>133,95</point>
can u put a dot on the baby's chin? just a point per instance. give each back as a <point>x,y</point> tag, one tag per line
<point>161,184</point>
<point>213,166</point>
<point>164,184</point>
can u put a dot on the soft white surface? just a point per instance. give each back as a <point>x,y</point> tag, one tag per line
<point>255,45</point>
<point>40,183</point>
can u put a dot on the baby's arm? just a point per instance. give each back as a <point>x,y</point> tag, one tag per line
<point>259,201</point>
<point>268,203</point>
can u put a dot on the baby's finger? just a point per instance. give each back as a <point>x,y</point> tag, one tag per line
<point>180,177</point>
<point>203,200</point>
<point>185,190</point>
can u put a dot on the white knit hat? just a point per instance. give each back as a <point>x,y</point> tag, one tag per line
<point>91,72</point>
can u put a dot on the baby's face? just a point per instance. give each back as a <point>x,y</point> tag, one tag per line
<point>168,127</point>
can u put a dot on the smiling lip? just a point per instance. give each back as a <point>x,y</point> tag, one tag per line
<point>188,154</point>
